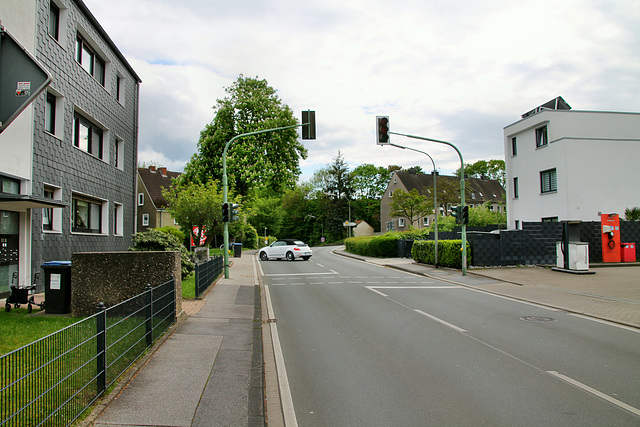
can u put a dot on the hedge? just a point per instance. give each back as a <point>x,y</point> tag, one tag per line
<point>449,252</point>
<point>384,246</point>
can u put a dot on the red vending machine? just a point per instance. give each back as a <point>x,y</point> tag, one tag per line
<point>610,237</point>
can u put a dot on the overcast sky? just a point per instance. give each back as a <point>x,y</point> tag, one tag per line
<point>452,70</point>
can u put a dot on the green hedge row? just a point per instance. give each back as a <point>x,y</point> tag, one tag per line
<point>385,246</point>
<point>449,252</point>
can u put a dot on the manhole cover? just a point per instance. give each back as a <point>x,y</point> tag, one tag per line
<point>539,319</point>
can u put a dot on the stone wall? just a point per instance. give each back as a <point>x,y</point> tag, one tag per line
<point>113,277</point>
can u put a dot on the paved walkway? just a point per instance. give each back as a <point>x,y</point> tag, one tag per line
<point>208,372</point>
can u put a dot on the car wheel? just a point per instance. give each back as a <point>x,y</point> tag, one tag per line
<point>263,256</point>
<point>306,258</point>
<point>290,256</point>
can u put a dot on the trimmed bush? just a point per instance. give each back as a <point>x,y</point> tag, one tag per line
<point>384,246</point>
<point>449,252</point>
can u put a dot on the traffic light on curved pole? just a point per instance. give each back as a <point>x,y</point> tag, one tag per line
<point>465,214</point>
<point>382,130</point>
<point>225,212</point>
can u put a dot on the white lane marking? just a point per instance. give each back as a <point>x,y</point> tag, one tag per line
<point>319,265</point>
<point>375,289</point>
<point>443,322</point>
<point>413,287</point>
<point>595,392</point>
<point>300,274</point>
<point>288,410</point>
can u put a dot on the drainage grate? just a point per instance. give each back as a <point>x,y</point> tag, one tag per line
<point>538,319</point>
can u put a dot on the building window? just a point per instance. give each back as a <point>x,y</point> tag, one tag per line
<point>548,181</point>
<point>550,219</point>
<point>515,188</point>
<point>145,220</point>
<point>140,199</point>
<point>400,222</point>
<point>118,219</point>
<point>390,193</point>
<point>52,217</point>
<point>514,146</point>
<point>87,136</point>
<point>9,185</point>
<point>120,89</point>
<point>90,61</point>
<point>541,137</point>
<point>50,114</point>
<point>119,154</point>
<point>86,215</point>
<point>54,20</point>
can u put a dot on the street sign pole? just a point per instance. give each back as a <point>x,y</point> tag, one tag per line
<point>462,201</point>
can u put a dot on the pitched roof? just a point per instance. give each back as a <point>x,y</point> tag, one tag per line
<point>154,180</point>
<point>486,189</point>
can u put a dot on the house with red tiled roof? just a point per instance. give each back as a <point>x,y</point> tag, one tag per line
<point>151,205</point>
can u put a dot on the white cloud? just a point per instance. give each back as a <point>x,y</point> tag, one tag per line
<point>450,70</point>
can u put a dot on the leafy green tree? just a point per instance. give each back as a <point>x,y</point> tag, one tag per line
<point>196,205</point>
<point>369,181</point>
<point>493,169</point>
<point>411,205</point>
<point>270,159</point>
<point>267,213</point>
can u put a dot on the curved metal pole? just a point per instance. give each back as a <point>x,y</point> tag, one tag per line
<point>225,233</point>
<point>435,194</point>
<point>462,201</point>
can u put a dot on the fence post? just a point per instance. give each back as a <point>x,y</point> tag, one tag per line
<point>101,360</point>
<point>197,281</point>
<point>173,298</point>
<point>148,299</point>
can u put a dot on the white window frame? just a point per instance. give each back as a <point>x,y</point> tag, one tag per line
<point>118,220</point>
<point>145,220</point>
<point>400,222</point>
<point>140,199</point>
<point>104,214</point>
<point>56,213</point>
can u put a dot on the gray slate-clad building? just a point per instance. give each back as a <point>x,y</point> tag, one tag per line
<point>81,135</point>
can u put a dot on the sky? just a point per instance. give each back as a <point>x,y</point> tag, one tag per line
<point>453,70</point>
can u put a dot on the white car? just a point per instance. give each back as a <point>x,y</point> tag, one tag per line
<point>290,249</point>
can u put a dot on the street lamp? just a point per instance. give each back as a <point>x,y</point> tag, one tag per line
<point>462,201</point>
<point>435,194</point>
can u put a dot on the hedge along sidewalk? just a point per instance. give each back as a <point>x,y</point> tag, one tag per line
<point>449,252</point>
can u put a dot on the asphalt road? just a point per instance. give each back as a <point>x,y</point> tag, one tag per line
<point>370,346</point>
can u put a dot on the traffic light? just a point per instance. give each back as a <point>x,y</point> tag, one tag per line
<point>382,130</point>
<point>235,213</point>
<point>465,214</point>
<point>456,212</point>
<point>225,212</point>
<point>309,130</point>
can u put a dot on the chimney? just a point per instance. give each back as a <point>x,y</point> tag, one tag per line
<point>163,171</point>
<point>152,168</point>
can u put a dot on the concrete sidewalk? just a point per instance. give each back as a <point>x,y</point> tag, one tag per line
<point>208,371</point>
<point>612,293</point>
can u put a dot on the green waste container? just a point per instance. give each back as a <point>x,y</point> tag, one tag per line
<point>237,250</point>
<point>57,287</point>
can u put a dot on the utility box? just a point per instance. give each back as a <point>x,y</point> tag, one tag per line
<point>628,252</point>
<point>57,287</point>
<point>571,253</point>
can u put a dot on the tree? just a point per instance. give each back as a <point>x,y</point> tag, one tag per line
<point>411,205</point>
<point>196,205</point>
<point>493,169</point>
<point>369,181</point>
<point>270,159</point>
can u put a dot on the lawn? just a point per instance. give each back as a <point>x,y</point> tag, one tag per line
<point>18,328</point>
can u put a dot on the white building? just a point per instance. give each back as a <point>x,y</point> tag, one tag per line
<point>564,164</point>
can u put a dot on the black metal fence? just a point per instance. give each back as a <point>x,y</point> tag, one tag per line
<point>207,272</point>
<point>52,381</point>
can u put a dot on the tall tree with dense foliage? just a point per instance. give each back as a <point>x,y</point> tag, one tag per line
<point>270,159</point>
<point>493,169</point>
